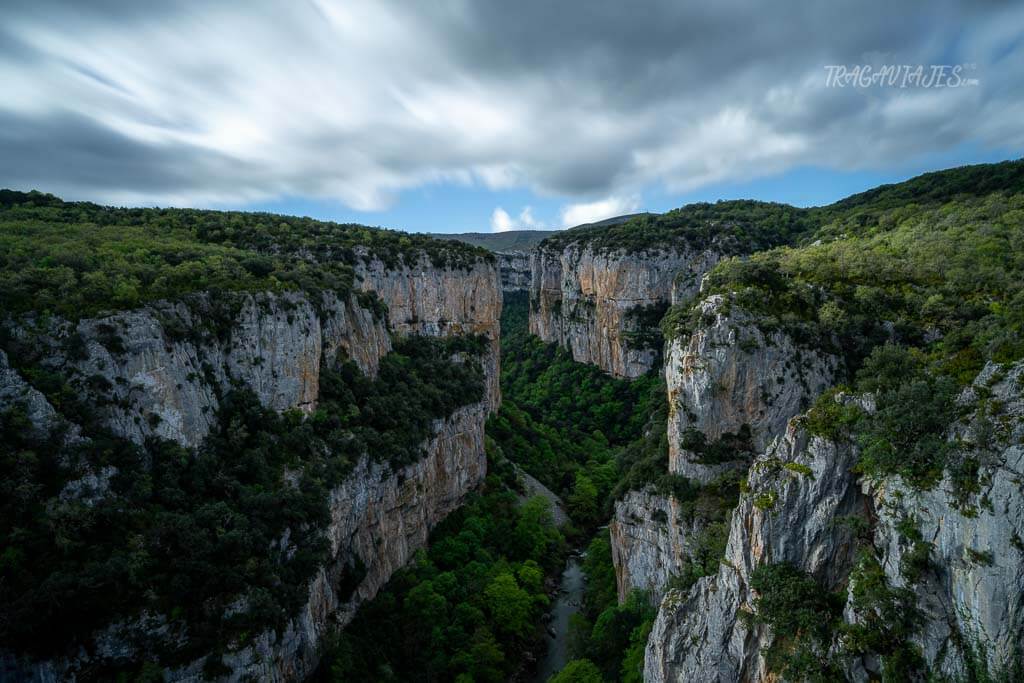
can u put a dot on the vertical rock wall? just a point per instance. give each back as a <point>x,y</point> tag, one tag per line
<point>728,374</point>
<point>586,301</point>
<point>424,299</point>
<point>159,371</point>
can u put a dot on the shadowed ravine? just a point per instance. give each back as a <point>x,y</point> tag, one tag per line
<point>570,596</point>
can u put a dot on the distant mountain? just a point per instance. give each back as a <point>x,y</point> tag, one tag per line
<point>512,240</point>
<point>522,240</point>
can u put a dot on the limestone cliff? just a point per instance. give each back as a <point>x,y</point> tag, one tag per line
<point>730,377</point>
<point>604,306</point>
<point>726,379</point>
<point>514,267</point>
<point>971,595</point>
<point>966,593</point>
<point>160,370</point>
<point>788,516</point>
<point>379,518</point>
<point>163,367</point>
<point>650,539</point>
<point>424,299</point>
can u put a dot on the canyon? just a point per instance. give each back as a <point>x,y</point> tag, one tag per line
<point>164,377</point>
<point>829,484</point>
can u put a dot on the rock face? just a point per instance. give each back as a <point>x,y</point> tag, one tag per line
<point>730,375</point>
<point>592,302</point>
<point>726,378</point>
<point>514,267</point>
<point>699,636</point>
<point>973,599</point>
<point>650,541</point>
<point>163,367</point>
<point>969,594</point>
<point>159,371</point>
<point>424,299</point>
<point>379,518</point>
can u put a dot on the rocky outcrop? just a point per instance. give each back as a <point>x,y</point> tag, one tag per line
<point>732,388</point>
<point>972,596</point>
<point>650,539</point>
<point>424,299</point>
<point>604,306</point>
<point>730,377</point>
<point>160,370</point>
<point>968,583</point>
<point>514,267</point>
<point>379,518</point>
<point>796,491</point>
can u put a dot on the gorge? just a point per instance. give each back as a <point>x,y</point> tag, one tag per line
<point>790,443</point>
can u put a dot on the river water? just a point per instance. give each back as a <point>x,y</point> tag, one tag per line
<point>567,603</point>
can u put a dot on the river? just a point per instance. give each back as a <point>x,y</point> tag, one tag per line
<point>567,603</point>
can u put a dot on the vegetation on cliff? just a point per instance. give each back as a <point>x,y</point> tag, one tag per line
<point>221,541</point>
<point>77,259</point>
<point>729,227</point>
<point>915,298</point>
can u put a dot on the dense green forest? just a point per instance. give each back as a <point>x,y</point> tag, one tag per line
<point>567,423</point>
<point>467,608</point>
<point>183,535</point>
<point>78,258</point>
<point>470,607</point>
<point>746,226</point>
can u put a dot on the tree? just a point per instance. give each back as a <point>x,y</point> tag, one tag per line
<point>583,499</point>
<point>578,671</point>
<point>509,604</point>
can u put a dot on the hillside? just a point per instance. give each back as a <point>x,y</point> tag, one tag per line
<point>524,240</point>
<point>510,240</point>
<point>77,257</point>
<point>839,495</point>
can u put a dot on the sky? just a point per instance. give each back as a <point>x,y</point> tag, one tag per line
<point>470,115</point>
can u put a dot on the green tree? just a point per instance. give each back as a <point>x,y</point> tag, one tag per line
<point>578,671</point>
<point>582,501</point>
<point>509,604</point>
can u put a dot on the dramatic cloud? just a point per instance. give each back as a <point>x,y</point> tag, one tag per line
<point>198,103</point>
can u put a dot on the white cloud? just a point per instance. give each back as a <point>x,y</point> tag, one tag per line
<point>589,212</point>
<point>501,221</point>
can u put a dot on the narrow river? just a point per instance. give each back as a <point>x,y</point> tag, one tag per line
<point>567,603</point>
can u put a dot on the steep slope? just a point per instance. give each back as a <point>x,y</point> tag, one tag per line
<point>931,585</point>
<point>115,402</point>
<point>875,536</point>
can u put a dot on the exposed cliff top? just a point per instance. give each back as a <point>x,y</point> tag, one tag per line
<point>76,258</point>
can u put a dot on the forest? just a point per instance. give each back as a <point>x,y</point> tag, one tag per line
<point>77,259</point>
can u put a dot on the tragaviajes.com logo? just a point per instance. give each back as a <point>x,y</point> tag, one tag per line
<point>899,76</point>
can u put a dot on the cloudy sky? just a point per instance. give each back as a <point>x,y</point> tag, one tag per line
<point>455,115</point>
